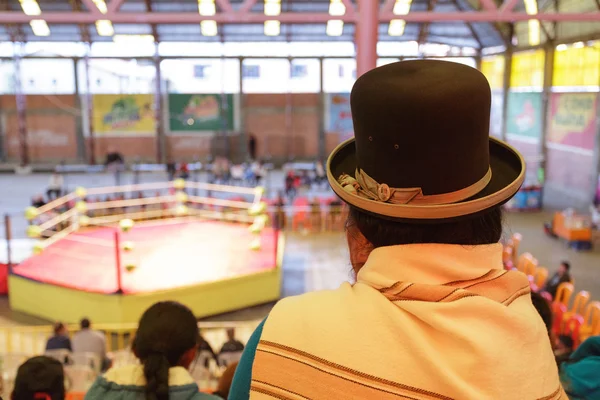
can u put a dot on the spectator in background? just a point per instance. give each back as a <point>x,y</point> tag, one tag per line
<point>232,349</point>
<point>38,201</point>
<point>90,341</point>
<point>60,340</point>
<point>225,381</point>
<point>205,351</point>
<point>320,176</point>
<point>563,349</point>
<point>184,171</point>
<point>171,169</point>
<point>290,185</point>
<point>115,164</point>
<point>560,276</point>
<point>252,146</point>
<point>39,378</point>
<point>55,186</point>
<point>579,375</point>
<point>165,343</point>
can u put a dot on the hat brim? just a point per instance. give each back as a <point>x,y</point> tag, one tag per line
<point>508,174</point>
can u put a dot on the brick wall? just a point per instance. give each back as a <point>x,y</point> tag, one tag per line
<point>51,125</point>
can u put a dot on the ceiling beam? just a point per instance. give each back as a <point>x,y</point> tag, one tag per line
<point>388,6</point>
<point>247,6</point>
<point>469,25</point>
<point>224,5</point>
<point>424,30</point>
<point>289,18</point>
<point>90,6</point>
<point>83,28</point>
<point>152,26</point>
<point>508,5</point>
<point>488,5</point>
<point>114,6</point>
<point>350,10</point>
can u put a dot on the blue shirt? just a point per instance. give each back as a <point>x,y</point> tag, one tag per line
<point>59,342</point>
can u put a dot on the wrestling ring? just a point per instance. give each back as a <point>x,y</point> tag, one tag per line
<point>109,253</point>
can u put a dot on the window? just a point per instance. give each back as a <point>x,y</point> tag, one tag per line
<point>493,69</point>
<point>201,71</point>
<point>299,71</point>
<point>251,71</point>
<point>528,69</point>
<point>577,65</point>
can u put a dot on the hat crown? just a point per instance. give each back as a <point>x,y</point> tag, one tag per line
<point>422,124</point>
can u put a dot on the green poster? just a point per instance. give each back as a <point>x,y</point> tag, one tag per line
<point>524,115</point>
<point>200,112</point>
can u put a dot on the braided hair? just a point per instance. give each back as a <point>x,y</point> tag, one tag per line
<point>166,331</point>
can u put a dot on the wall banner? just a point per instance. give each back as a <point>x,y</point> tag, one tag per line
<point>524,115</point>
<point>201,112</point>
<point>573,119</point>
<point>339,114</point>
<point>124,114</point>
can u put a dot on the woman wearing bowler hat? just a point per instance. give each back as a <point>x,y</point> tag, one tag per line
<point>433,314</point>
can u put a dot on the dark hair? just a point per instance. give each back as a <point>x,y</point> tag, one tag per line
<point>165,332</point>
<point>85,323</point>
<point>566,341</point>
<point>39,375</point>
<point>484,228</point>
<point>543,308</point>
<point>59,326</point>
<point>566,264</point>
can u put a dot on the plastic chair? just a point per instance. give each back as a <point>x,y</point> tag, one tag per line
<point>228,358</point>
<point>558,310</point>
<point>581,299</point>
<point>527,264</point>
<point>79,377</point>
<point>91,360</point>
<point>62,355</point>
<point>541,276</point>
<point>123,357</point>
<point>572,328</point>
<point>546,296</point>
<point>507,256</point>
<point>516,241</point>
<point>591,321</point>
<point>563,293</point>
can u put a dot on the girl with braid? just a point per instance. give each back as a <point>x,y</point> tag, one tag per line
<point>166,344</point>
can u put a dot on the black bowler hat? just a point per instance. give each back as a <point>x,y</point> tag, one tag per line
<point>422,150</point>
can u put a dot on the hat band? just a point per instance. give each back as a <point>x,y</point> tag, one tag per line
<point>364,186</point>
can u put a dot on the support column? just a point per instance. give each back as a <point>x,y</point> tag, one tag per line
<point>546,93</point>
<point>321,105</point>
<point>90,107</point>
<point>243,132</point>
<point>367,25</point>
<point>79,121</point>
<point>506,83</point>
<point>161,142</point>
<point>21,109</point>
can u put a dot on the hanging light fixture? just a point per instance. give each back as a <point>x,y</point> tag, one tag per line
<point>272,8</point>
<point>272,28</point>
<point>104,27</point>
<point>397,26</point>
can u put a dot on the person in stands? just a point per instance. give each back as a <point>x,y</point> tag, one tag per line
<point>580,373</point>
<point>55,186</point>
<point>433,313</point>
<point>224,385</point>
<point>165,343</point>
<point>39,378</point>
<point>60,340</point>
<point>90,341</point>
<point>561,276</point>
<point>115,164</point>
<point>232,344</point>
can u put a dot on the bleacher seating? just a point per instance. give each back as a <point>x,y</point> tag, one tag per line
<point>579,322</point>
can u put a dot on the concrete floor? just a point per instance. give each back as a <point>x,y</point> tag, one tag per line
<point>311,262</point>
